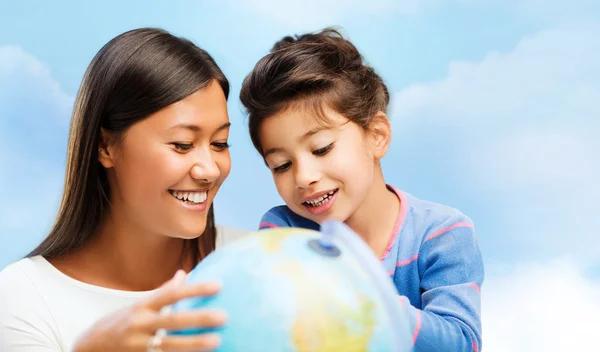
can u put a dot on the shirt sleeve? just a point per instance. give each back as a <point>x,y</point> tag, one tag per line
<point>451,271</point>
<point>228,234</point>
<point>26,324</point>
<point>274,218</point>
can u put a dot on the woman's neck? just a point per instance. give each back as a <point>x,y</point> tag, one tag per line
<point>124,256</point>
<point>376,217</point>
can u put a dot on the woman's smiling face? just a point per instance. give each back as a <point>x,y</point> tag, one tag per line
<point>166,169</point>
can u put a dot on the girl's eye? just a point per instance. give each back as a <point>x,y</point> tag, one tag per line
<point>324,150</point>
<point>282,168</point>
<point>221,145</point>
<point>183,146</point>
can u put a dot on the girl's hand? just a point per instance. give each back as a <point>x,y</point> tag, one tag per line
<point>133,329</point>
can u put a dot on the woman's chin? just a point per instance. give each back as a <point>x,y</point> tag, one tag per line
<point>191,235</point>
<point>189,232</point>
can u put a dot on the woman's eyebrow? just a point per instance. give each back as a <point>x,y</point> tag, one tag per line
<point>196,128</point>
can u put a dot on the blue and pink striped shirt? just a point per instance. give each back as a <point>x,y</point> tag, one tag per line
<point>435,263</point>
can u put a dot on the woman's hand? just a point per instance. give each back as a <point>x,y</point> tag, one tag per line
<point>133,328</point>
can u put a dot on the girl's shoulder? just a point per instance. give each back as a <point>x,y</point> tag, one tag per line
<point>283,216</point>
<point>426,219</point>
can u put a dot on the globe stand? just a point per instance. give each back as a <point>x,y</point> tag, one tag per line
<point>324,247</point>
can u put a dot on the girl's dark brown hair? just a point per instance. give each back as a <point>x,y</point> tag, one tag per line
<point>317,70</point>
<point>133,76</point>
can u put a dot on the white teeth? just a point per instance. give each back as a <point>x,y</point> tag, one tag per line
<point>321,200</point>
<point>194,197</point>
<point>201,197</point>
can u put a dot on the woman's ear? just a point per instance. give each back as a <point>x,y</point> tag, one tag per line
<point>106,152</point>
<point>381,134</point>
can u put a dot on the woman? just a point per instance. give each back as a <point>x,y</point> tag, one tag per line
<point>147,153</point>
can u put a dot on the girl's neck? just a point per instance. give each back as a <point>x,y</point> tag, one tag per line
<point>376,217</point>
<point>125,256</point>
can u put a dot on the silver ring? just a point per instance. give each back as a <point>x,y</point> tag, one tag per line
<point>154,343</point>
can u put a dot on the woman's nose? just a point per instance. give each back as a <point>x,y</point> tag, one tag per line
<point>206,169</point>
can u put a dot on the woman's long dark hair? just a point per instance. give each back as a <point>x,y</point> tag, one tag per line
<point>133,76</point>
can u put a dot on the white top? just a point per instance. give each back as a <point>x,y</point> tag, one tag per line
<point>43,310</point>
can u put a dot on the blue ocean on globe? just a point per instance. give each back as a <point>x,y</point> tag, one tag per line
<point>291,289</point>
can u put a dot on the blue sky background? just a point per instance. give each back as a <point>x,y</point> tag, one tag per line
<point>495,111</point>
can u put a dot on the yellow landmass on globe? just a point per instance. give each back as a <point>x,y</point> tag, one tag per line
<point>272,239</point>
<point>323,323</point>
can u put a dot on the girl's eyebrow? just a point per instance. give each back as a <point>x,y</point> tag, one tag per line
<point>271,151</point>
<point>302,138</point>
<point>312,132</point>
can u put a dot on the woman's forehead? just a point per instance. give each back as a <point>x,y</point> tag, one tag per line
<point>204,110</point>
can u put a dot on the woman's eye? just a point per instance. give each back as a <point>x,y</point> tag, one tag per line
<point>324,150</point>
<point>282,168</point>
<point>183,146</point>
<point>221,145</point>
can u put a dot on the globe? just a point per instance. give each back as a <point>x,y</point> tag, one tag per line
<point>292,289</point>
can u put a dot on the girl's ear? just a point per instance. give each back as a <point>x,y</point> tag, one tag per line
<point>106,151</point>
<point>380,133</point>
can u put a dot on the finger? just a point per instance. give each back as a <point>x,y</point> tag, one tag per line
<point>201,342</point>
<point>173,293</point>
<point>203,318</point>
<point>176,280</point>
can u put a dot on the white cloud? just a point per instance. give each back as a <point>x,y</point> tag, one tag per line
<point>23,79</point>
<point>549,78</point>
<point>548,307</point>
<point>312,14</point>
<point>544,11</point>
<point>522,126</point>
<point>540,12</point>
<point>539,160</point>
<point>34,113</point>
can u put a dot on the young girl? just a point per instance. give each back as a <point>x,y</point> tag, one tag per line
<point>147,154</point>
<point>317,115</point>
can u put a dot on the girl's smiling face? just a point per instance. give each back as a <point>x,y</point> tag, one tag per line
<point>322,168</point>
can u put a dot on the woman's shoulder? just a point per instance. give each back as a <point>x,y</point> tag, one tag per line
<point>41,306</point>
<point>227,234</point>
<point>22,284</point>
<point>24,314</point>
<point>20,274</point>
